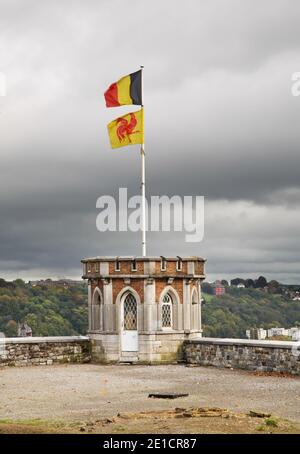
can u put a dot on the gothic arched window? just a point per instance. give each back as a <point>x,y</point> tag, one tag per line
<point>167,312</point>
<point>130,313</point>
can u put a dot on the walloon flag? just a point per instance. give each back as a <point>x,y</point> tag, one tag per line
<point>127,90</point>
<point>127,130</point>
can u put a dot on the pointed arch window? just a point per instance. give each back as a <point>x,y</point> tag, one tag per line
<point>167,312</point>
<point>130,313</point>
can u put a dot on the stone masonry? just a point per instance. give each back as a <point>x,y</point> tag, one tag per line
<point>253,355</point>
<point>44,350</point>
<point>265,356</point>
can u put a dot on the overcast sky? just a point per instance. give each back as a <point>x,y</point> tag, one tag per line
<point>220,122</point>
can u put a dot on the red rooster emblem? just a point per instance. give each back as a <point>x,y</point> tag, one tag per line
<point>126,128</point>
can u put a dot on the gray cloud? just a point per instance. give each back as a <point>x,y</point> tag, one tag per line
<point>220,122</point>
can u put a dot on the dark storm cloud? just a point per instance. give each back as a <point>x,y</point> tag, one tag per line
<point>220,122</point>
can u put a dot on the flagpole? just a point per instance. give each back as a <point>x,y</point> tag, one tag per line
<point>143,175</point>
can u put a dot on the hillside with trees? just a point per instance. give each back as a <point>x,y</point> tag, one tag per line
<point>239,309</point>
<point>50,310</point>
<point>54,309</point>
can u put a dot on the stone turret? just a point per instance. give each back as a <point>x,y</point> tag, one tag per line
<point>141,309</point>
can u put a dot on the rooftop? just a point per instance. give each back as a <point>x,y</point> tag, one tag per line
<point>109,258</point>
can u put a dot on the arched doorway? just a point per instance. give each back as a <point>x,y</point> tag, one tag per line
<point>129,323</point>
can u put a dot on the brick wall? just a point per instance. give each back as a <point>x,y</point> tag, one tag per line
<point>265,356</point>
<point>136,284</point>
<point>161,284</point>
<point>125,268</point>
<point>199,267</point>
<point>171,268</point>
<point>44,350</point>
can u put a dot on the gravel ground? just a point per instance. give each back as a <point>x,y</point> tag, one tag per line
<point>86,391</point>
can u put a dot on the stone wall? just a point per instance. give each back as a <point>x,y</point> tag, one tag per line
<point>28,351</point>
<point>266,356</point>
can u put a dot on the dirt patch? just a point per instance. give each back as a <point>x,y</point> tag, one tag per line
<point>196,420</point>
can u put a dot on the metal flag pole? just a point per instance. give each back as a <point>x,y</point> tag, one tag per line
<point>143,174</point>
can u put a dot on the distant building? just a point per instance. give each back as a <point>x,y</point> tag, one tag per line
<point>218,288</point>
<point>262,334</point>
<point>24,330</point>
<point>241,285</point>
<point>66,283</point>
<point>295,333</point>
<point>256,333</point>
<point>278,332</point>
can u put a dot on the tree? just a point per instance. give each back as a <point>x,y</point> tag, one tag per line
<point>261,282</point>
<point>11,328</point>
<point>237,281</point>
<point>242,309</point>
<point>5,284</point>
<point>48,310</point>
<point>274,287</point>
<point>249,283</point>
<point>207,288</point>
<point>19,283</point>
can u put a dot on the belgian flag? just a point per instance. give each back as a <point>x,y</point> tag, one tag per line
<point>127,90</point>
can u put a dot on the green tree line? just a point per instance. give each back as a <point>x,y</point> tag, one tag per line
<point>58,311</point>
<point>48,310</point>
<point>231,314</point>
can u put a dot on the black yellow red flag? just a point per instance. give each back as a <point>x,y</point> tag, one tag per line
<point>127,90</point>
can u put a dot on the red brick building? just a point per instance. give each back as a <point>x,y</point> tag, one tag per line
<point>219,289</point>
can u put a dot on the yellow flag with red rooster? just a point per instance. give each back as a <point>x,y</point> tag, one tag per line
<point>127,130</point>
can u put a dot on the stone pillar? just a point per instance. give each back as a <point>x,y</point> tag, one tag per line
<point>180,316</point>
<point>90,304</point>
<point>191,268</point>
<point>149,305</point>
<point>104,269</point>
<point>199,307</point>
<point>186,305</point>
<point>109,324</point>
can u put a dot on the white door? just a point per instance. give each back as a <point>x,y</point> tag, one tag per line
<point>129,333</point>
